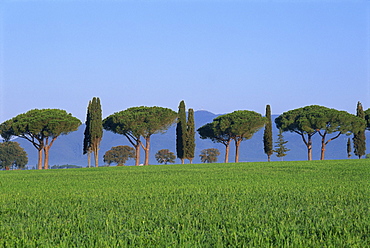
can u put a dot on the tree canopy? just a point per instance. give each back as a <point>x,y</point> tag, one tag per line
<point>267,135</point>
<point>137,122</point>
<point>12,155</point>
<point>190,137</point>
<point>119,155</point>
<point>309,120</point>
<point>164,156</point>
<point>209,155</point>
<point>41,127</point>
<point>238,126</point>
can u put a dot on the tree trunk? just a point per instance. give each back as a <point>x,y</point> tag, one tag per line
<point>309,148</point>
<point>96,157</point>
<point>227,150</point>
<point>237,143</point>
<point>39,161</point>
<point>182,160</point>
<point>190,160</point>
<point>268,157</point>
<point>89,159</point>
<point>46,158</point>
<point>147,147</point>
<point>137,154</point>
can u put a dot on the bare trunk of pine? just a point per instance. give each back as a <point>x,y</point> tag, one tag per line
<point>46,158</point>
<point>137,154</point>
<point>39,161</point>
<point>147,147</point>
<point>227,149</point>
<point>237,143</point>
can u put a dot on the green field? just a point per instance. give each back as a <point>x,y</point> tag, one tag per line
<point>276,204</point>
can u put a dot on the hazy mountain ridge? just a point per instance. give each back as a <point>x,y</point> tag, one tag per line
<point>67,149</point>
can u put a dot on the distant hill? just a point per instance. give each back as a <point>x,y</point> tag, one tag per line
<point>67,149</point>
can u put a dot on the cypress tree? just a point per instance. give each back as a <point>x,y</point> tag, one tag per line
<point>280,145</point>
<point>349,148</point>
<point>267,134</point>
<point>94,130</point>
<point>87,136</point>
<point>181,132</point>
<point>190,137</point>
<point>359,138</point>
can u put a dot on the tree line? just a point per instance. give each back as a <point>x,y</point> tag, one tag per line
<point>42,127</point>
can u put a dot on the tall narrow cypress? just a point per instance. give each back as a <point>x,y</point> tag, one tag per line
<point>359,138</point>
<point>267,134</point>
<point>181,132</point>
<point>87,136</point>
<point>94,130</point>
<point>190,137</point>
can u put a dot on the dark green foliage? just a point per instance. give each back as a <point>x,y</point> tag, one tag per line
<point>139,122</point>
<point>281,149</point>
<point>309,120</point>
<point>349,148</point>
<point>12,155</point>
<point>367,118</point>
<point>41,127</point>
<point>359,138</point>
<point>218,134</point>
<point>209,155</point>
<point>94,130</point>
<point>181,132</point>
<point>240,125</point>
<point>190,137</point>
<point>119,155</point>
<point>164,156</point>
<point>267,134</point>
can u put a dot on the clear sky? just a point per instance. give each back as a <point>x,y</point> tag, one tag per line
<point>218,56</point>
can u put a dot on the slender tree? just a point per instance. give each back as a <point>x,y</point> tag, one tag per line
<point>190,137</point>
<point>87,136</point>
<point>181,132</point>
<point>267,135</point>
<point>349,148</point>
<point>41,127</point>
<point>281,149</point>
<point>359,138</point>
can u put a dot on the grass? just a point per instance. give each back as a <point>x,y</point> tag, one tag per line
<point>276,204</point>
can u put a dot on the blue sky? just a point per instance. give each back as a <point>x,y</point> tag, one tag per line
<point>218,56</point>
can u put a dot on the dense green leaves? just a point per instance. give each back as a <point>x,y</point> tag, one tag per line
<point>119,155</point>
<point>164,156</point>
<point>359,138</point>
<point>181,132</point>
<point>267,134</point>
<point>190,136</point>
<point>309,120</point>
<point>209,155</point>
<point>41,127</point>
<point>137,122</point>
<point>12,155</point>
<point>94,130</point>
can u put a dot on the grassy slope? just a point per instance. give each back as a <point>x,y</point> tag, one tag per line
<point>297,204</point>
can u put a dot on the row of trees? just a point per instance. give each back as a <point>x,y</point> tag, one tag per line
<point>138,124</point>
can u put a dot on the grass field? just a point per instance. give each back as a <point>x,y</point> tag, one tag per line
<point>276,204</point>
